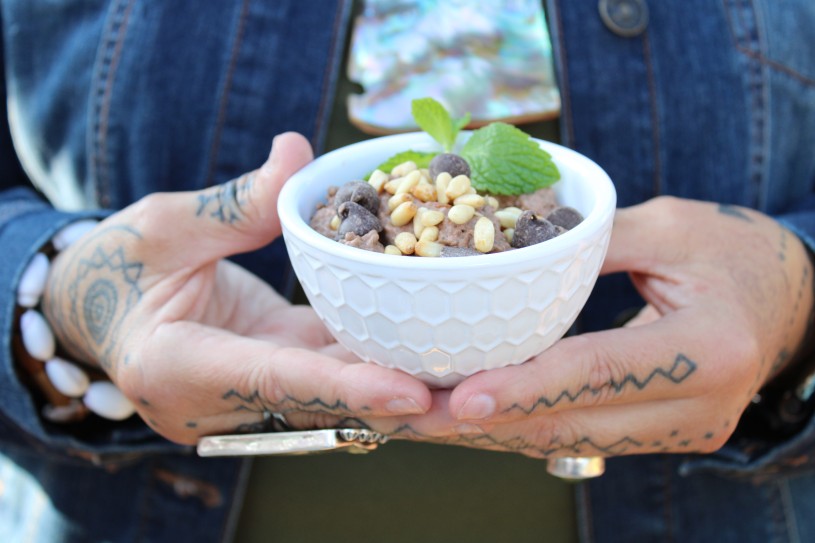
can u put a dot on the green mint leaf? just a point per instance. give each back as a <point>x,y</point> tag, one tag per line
<point>431,117</point>
<point>421,158</point>
<point>504,160</point>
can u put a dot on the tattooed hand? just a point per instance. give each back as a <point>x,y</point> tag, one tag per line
<point>198,344</point>
<point>729,294</point>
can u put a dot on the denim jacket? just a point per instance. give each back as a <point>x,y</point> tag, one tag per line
<point>110,100</point>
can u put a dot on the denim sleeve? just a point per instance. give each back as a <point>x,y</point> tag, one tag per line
<point>27,222</point>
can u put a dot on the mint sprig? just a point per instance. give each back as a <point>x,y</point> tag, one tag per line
<point>504,160</point>
<point>420,158</point>
<point>431,117</point>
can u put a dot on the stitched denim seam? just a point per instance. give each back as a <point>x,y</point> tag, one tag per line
<point>758,55</point>
<point>758,119</point>
<point>333,65</point>
<point>110,51</point>
<point>565,103</point>
<point>746,39</point>
<point>225,94</point>
<point>789,511</point>
<point>585,525</point>
<point>652,92</point>
<point>772,495</point>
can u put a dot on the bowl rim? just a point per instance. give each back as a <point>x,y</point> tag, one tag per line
<point>296,226</point>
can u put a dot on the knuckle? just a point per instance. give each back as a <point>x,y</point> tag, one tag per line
<point>604,380</point>
<point>553,434</point>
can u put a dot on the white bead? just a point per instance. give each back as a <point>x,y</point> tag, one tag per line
<point>38,338</point>
<point>104,399</point>
<point>66,377</point>
<point>72,232</point>
<point>32,282</point>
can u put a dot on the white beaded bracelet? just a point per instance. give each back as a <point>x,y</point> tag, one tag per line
<point>70,391</point>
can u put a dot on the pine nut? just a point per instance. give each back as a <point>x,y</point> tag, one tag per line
<point>459,185</point>
<point>428,248</point>
<point>432,217</point>
<point>378,179</point>
<point>396,199</point>
<point>507,218</point>
<point>418,226</point>
<point>403,214</point>
<point>405,242</point>
<point>461,214</point>
<point>430,233</point>
<point>391,186</point>
<point>484,235</point>
<point>392,250</point>
<point>335,222</point>
<point>473,200</point>
<point>442,182</point>
<point>408,182</point>
<point>404,168</point>
<point>492,201</point>
<point>425,192</point>
<point>509,233</point>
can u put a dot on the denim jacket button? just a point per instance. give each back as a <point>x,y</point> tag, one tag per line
<point>626,18</point>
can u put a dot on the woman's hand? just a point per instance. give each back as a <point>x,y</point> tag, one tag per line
<point>198,344</point>
<point>729,295</point>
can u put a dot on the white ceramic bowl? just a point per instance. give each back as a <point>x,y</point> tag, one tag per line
<point>443,319</point>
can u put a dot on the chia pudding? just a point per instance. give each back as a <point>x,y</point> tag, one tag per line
<point>436,212</point>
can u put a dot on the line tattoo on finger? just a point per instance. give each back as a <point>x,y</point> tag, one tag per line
<point>679,371</point>
<point>226,202</point>
<point>258,403</point>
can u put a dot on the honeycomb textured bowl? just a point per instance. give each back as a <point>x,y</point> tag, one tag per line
<point>443,319</point>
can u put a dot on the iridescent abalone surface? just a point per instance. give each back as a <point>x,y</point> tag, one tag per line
<point>489,58</point>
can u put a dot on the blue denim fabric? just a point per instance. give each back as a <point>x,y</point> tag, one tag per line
<point>114,99</point>
<point>110,100</point>
<point>713,101</point>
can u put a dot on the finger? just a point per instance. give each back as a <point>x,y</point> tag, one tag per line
<point>675,426</point>
<point>640,233</point>
<point>217,373</point>
<point>646,315</point>
<point>231,218</point>
<point>629,240</point>
<point>643,363</point>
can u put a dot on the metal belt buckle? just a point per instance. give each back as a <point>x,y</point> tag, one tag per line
<point>352,440</point>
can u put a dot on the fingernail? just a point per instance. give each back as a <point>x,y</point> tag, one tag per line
<point>467,428</point>
<point>479,406</point>
<point>404,406</point>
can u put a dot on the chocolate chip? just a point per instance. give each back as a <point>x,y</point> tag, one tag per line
<point>359,192</point>
<point>450,163</point>
<point>355,218</point>
<point>531,229</point>
<point>567,217</point>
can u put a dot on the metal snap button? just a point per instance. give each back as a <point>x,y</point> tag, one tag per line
<point>627,18</point>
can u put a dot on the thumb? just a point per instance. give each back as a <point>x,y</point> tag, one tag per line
<point>234,217</point>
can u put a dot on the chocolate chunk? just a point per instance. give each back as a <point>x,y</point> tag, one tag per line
<point>450,163</point>
<point>531,229</point>
<point>567,217</point>
<point>359,192</point>
<point>357,219</point>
